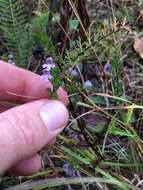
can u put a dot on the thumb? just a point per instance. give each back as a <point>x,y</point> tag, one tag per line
<point>25,129</point>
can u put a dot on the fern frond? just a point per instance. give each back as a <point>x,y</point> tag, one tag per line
<point>39,32</point>
<point>16,32</point>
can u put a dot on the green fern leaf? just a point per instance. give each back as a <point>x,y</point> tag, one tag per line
<point>16,30</point>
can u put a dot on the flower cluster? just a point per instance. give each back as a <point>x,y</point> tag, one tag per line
<point>69,170</point>
<point>46,69</point>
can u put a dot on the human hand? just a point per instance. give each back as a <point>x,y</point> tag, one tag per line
<point>27,128</point>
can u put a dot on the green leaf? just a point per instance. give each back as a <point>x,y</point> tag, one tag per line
<point>113,130</point>
<point>78,157</point>
<point>129,115</point>
<point>74,23</point>
<point>98,100</point>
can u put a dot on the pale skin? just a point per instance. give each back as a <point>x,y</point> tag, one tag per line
<point>31,125</point>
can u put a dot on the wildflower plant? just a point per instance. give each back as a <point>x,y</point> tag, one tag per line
<point>50,72</point>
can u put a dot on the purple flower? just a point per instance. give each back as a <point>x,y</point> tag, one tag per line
<point>68,170</point>
<point>49,62</point>
<point>10,61</point>
<point>47,66</point>
<point>107,67</point>
<point>73,72</point>
<point>46,76</point>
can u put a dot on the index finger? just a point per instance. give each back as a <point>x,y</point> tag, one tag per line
<point>19,85</point>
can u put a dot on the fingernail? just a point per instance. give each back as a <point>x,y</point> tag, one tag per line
<point>55,116</point>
